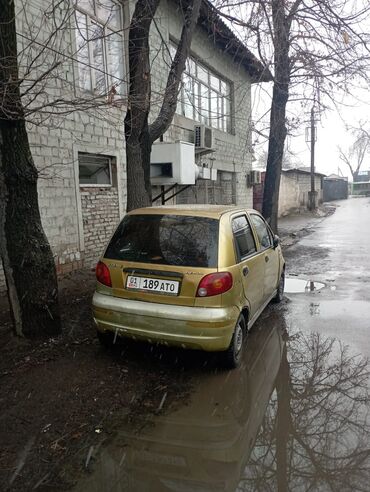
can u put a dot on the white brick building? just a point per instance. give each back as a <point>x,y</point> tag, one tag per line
<point>295,186</point>
<point>77,138</point>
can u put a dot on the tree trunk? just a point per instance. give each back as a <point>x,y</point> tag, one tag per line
<point>25,252</point>
<point>278,129</point>
<point>139,135</point>
<point>138,145</point>
<point>139,192</point>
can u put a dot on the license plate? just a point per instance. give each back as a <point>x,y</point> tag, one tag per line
<point>169,287</point>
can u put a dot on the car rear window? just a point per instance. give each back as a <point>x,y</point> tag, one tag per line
<point>166,239</point>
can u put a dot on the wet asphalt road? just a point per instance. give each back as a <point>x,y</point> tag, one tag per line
<point>337,254</point>
<point>294,416</point>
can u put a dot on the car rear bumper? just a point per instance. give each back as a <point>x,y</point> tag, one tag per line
<point>208,329</point>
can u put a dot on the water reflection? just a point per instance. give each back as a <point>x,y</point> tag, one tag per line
<point>204,445</point>
<point>298,285</point>
<point>315,435</point>
<point>293,417</point>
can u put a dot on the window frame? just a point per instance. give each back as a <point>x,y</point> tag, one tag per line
<point>97,185</point>
<point>91,20</point>
<point>270,234</point>
<point>238,257</point>
<point>198,82</point>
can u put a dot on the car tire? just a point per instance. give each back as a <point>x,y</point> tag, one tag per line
<point>106,339</point>
<point>280,291</point>
<point>233,355</point>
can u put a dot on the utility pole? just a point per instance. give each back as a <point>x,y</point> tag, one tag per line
<point>312,193</point>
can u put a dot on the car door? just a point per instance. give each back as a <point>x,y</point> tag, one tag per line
<point>250,264</point>
<point>269,253</point>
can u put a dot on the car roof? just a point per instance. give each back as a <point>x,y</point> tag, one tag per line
<point>212,211</point>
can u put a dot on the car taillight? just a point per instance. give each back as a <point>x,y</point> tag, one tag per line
<point>214,284</point>
<point>103,274</point>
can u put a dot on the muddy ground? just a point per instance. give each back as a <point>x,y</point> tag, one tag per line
<point>60,398</point>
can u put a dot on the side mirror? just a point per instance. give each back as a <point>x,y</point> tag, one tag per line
<point>276,241</point>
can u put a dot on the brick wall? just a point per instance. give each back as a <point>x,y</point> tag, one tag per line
<point>220,192</point>
<point>100,216</point>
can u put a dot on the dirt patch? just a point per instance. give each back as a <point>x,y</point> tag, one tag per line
<point>300,259</point>
<point>303,225</point>
<point>62,397</point>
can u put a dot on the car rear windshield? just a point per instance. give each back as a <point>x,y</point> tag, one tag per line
<point>167,240</point>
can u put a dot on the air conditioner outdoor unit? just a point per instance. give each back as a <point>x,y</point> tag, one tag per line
<point>254,178</point>
<point>203,137</point>
<point>173,163</point>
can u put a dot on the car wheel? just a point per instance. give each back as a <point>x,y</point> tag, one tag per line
<point>106,338</point>
<point>233,355</point>
<point>280,292</point>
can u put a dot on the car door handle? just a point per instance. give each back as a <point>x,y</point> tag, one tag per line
<point>267,259</point>
<point>245,271</point>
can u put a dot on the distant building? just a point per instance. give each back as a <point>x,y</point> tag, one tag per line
<point>335,188</point>
<point>361,183</point>
<point>295,185</point>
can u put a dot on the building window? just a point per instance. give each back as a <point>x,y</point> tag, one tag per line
<point>204,96</point>
<point>95,170</point>
<point>100,46</point>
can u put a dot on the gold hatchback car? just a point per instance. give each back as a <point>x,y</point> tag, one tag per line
<point>195,276</point>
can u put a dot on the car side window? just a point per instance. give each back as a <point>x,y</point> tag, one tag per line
<point>263,233</point>
<point>245,244</point>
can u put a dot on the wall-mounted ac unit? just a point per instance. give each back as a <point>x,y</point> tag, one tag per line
<point>173,163</point>
<point>203,137</point>
<point>254,178</point>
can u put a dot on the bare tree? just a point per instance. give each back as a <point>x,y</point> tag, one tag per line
<point>355,155</point>
<point>25,252</point>
<point>37,88</point>
<point>290,160</point>
<point>316,431</point>
<point>139,134</point>
<point>317,48</point>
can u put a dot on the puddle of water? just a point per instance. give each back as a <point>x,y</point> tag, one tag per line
<point>234,424</point>
<point>299,286</point>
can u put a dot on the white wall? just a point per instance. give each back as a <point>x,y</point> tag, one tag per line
<point>294,191</point>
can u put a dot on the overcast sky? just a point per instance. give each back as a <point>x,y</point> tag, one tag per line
<point>352,110</point>
<point>331,129</point>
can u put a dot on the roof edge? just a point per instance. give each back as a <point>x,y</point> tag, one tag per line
<point>210,20</point>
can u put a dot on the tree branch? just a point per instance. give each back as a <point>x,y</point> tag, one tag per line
<point>164,118</point>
